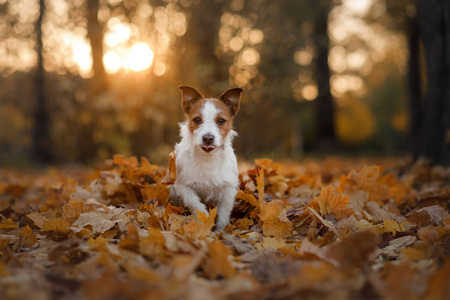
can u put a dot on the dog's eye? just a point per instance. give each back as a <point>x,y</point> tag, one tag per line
<point>221,121</point>
<point>197,121</point>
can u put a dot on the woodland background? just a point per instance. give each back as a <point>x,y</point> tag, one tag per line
<point>84,79</point>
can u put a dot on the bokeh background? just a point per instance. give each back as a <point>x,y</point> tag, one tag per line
<point>81,80</point>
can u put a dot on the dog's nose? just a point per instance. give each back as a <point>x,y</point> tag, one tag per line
<point>208,139</point>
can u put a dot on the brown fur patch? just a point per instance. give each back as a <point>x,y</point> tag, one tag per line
<point>223,113</point>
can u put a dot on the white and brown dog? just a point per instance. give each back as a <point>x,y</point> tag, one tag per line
<point>206,166</point>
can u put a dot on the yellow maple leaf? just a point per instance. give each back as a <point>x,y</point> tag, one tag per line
<point>157,192</point>
<point>393,226</point>
<point>201,226</point>
<point>331,203</point>
<point>73,209</point>
<point>97,242</point>
<point>249,198</point>
<point>218,264</point>
<point>8,224</point>
<point>28,237</point>
<point>274,220</point>
<point>130,241</point>
<point>171,174</point>
<point>260,184</point>
<point>58,225</point>
<point>153,243</point>
<point>266,163</point>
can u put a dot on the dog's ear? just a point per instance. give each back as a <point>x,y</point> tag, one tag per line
<point>231,98</point>
<point>189,96</point>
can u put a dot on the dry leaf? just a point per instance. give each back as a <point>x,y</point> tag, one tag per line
<point>274,220</point>
<point>218,265</point>
<point>201,226</point>
<point>260,184</point>
<point>171,174</point>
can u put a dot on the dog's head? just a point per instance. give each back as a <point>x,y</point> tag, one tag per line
<point>209,120</point>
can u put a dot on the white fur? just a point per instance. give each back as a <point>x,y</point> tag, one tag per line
<point>209,126</point>
<point>206,178</point>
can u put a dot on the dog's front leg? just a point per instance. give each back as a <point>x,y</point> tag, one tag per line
<point>189,198</point>
<point>225,206</point>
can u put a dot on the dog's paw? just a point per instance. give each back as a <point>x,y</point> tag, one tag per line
<point>218,230</point>
<point>200,209</point>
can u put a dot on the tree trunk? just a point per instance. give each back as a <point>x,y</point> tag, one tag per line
<point>414,86</point>
<point>200,40</point>
<point>42,147</point>
<point>445,148</point>
<point>95,34</point>
<point>434,19</point>
<point>324,103</point>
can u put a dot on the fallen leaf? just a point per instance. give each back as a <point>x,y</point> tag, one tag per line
<point>218,265</point>
<point>274,220</point>
<point>439,284</point>
<point>29,239</point>
<point>171,174</point>
<point>360,245</point>
<point>100,221</point>
<point>393,226</point>
<point>260,184</point>
<point>201,226</point>
<point>58,225</point>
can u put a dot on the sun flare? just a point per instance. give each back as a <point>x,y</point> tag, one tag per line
<point>139,57</point>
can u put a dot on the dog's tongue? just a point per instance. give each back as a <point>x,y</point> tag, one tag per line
<point>208,148</point>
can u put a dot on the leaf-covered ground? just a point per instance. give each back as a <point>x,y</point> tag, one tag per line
<point>334,229</point>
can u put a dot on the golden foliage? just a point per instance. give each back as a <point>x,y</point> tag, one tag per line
<point>321,233</point>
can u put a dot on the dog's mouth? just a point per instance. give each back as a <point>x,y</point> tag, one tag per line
<point>208,149</point>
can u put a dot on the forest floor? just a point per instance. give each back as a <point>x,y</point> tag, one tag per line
<point>329,229</point>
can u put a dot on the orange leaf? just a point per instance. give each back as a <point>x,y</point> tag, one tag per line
<point>274,220</point>
<point>58,225</point>
<point>131,240</point>
<point>439,283</point>
<point>260,184</point>
<point>393,226</point>
<point>8,224</point>
<point>331,203</point>
<point>249,198</point>
<point>29,239</point>
<point>98,242</point>
<point>201,226</point>
<point>157,192</point>
<point>219,265</point>
<point>171,174</point>
<point>73,209</point>
<point>266,163</point>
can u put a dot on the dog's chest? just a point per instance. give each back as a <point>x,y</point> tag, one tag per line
<point>207,174</point>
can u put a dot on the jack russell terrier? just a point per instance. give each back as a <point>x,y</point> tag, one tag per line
<point>206,166</point>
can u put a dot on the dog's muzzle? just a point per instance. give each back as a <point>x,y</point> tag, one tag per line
<point>208,143</point>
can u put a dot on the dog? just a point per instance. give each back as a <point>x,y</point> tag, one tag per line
<point>206,166</point>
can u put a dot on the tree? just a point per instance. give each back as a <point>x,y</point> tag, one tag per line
<point>434,144</point>
<point>200,40</point>
<point>95,35</point>
<point>324,110</point>
<point>41,132</point>
<point>414,83</point>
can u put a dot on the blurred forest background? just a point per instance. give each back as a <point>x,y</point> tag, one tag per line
<point>81,80</point>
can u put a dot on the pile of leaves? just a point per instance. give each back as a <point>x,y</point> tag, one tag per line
<point>296,231</point>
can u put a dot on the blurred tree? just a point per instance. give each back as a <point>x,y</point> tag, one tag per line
<point>414,82</point>
<point>199,64</point>
<point>95,35</point>
<point>434,16</point>
<point>42,144</point>
<point>324,103</point>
